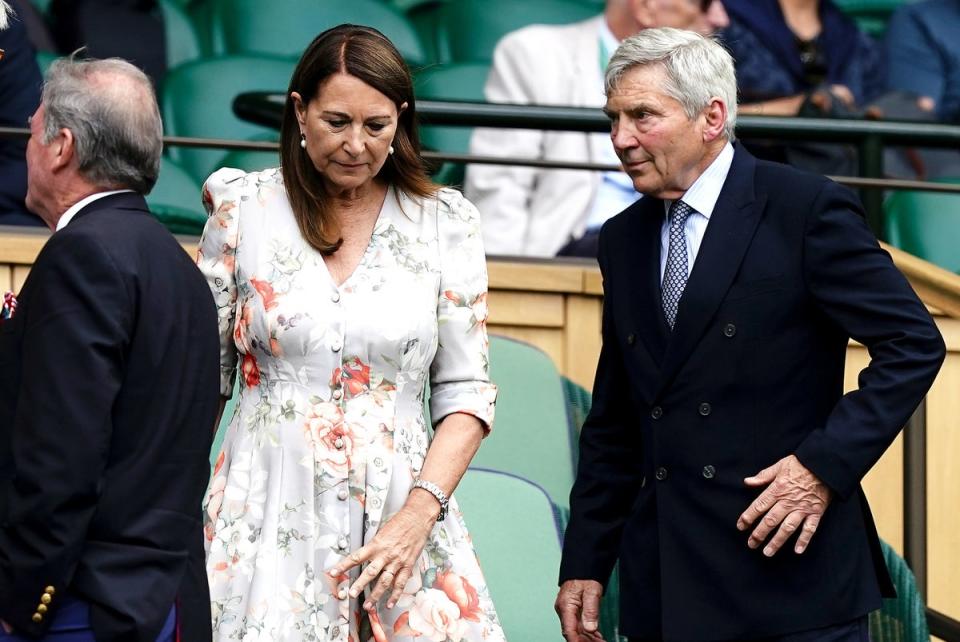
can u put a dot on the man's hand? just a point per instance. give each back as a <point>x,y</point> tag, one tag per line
<point>578,605</point>
<point>794,499</point>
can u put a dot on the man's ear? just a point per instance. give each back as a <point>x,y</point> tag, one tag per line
<point>64,149</point>
<point>715,119</point>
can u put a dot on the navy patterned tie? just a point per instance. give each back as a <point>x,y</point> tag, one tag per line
<point>675,272</point>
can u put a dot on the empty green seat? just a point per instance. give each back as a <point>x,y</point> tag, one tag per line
<point>251,160</point>
<point>183,44</point>
<point>286,27</point>
<point>197,100</point>
<point>456,82</point>
<point>903,618</point>
<point>468,30</point>
<point>175,200</point>
<point>513,527</point>
<point>925,224</point>
<point>870,15</point>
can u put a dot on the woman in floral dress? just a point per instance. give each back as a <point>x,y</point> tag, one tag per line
<point>345,282</point>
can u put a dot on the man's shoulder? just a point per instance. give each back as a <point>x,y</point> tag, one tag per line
<point>780,180</point>
<point>539,36</point>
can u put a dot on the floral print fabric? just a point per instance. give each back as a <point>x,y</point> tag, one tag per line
<point>329,432</point>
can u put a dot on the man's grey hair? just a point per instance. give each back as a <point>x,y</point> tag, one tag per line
<point>111,109</point>
<point>697,68</point>
<point>5,13</point>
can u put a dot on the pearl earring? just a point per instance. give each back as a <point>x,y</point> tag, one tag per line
<point>303,140</point>
<point>391,150</point>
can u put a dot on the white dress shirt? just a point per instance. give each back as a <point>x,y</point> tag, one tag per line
<point>82,203</point>
<point>702,197</point>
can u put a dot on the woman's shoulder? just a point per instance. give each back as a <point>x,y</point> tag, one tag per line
<point>227,179</point>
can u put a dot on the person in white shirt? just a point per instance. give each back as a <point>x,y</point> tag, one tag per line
<point>542,212</point>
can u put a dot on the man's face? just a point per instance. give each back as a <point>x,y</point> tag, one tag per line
<point>702,16</point>
<point>661,149</point>
<point>39,177</point>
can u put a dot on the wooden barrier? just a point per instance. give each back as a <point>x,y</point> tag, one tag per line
<point>556,305</point>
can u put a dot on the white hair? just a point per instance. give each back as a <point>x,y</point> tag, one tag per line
<point>698,69</point>
<point>5,13</point>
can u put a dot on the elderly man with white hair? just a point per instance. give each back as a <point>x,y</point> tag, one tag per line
<point>721,461</point>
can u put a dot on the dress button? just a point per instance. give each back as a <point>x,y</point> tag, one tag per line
<point>631,339</point>
<point>50,590</point>
<point>729,330</point>
<point>661,473</point>
<point>342,494</point>
<point>657,412</point>
<point>705,409</point>
<point>335,297</point>
<point>342,543</point>
<point>709,472</point>
<point>337,394</point>
<point>42,608</point>
<point>336,345</point>
<point>338,443</point>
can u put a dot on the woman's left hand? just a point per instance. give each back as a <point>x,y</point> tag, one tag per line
<point>391,556</point>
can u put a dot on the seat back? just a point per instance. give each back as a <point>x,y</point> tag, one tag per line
<point>457,82</point>
<point>197,100</point>
<point>532,435</point>
<point>870,15</point>
<point>925,224</point>
<point>175,200</point>
<point>183,43</point>
<point>468,30</point>
<point>251,160</point>
<point>513,527</point>
<point>288,26</point>
<point>903,618</point>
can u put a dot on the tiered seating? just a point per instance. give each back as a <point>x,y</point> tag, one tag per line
<point>175,200</point>
<point>925,224</point>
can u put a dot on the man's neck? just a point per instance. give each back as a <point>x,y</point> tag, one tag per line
<point>620,21</point>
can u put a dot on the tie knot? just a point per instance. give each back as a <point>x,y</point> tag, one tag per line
<point>679,212</point>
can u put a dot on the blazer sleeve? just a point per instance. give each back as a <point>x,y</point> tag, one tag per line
<point>216,258</point>
<point>503,193</point>
<point>460,371</point>
<point>76,333</point>
<point>609,471</point>
<point>856,285</point>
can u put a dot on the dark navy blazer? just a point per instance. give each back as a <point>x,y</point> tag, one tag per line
<point>787,272</point>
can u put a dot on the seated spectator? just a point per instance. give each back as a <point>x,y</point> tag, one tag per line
<point>543,212</point>
<point>923,53</point>
<point>20,83</point>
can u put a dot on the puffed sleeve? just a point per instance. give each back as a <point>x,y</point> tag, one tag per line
<point>216,259</point>
<point>460,373</point>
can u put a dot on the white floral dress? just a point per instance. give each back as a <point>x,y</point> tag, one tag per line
<point>329,431</point>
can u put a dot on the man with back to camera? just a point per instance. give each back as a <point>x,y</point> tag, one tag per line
<point>108,383</point>
<point>721,461</point>
<point>542,212</point>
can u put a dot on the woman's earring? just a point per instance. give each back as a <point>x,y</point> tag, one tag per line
<point>303,140</point>
<point>391,150</point>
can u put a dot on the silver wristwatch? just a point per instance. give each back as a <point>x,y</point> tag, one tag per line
<point>434,490</point>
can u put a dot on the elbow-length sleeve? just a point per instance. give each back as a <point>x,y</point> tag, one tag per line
<point>460,372</point>
<point>216,259</point>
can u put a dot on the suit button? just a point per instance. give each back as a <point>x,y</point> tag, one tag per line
<point>661,473</point>
<point>704,409</point>
<point>37,618</point>
<point>657,412</point>
<point>631,339</point>
<point>729,330</point>
<point>709,472</point>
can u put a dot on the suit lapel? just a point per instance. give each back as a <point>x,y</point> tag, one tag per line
<point>644,259</point>
<point>724,244</point>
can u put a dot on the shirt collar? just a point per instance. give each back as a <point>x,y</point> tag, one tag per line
<point>608,41</point>
<point>703,194</point>
<point>82,203</point>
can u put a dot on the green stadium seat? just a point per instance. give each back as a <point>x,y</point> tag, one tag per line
<point>250,160</point>
<point>175,200</point>
<point>901,619</point>
<point>870,15</point>
<point>183,44</point>
<point>468,30</point>
<point>228,410</point>
<point>197,100</point>
<point>44,59</point>
<point>925,224</point>
<point>513,527</point>
<point>288,26</point>
<point>458,82</point>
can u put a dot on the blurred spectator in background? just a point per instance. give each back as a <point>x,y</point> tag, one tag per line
<point>128,29</point>
<point>923,51</point>
<point>803,58</point>
<point>20,83</point>
<point>545,212</point>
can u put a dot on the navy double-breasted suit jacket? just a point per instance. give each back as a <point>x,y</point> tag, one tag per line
<point>109,384</point>
<point>786,274</point>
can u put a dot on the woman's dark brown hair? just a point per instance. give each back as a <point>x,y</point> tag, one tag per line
<point>368,55</point>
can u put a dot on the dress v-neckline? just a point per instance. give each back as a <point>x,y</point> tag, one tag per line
<point>361,264</point>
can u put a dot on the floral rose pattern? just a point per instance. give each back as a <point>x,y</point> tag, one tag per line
<point>329,431</point>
